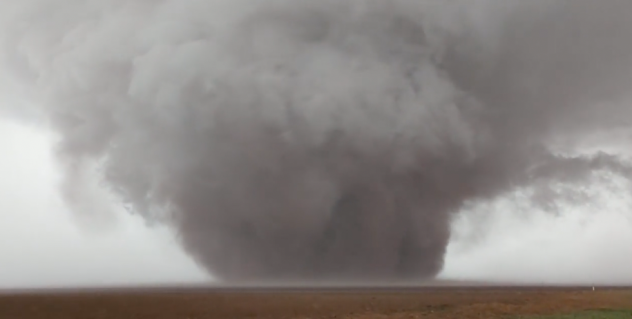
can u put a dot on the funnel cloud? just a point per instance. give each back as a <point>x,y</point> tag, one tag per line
<point>313,140</point>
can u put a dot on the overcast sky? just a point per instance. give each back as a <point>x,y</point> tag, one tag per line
<point>42,244</point>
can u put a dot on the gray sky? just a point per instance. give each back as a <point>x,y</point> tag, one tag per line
<point>42,244</point>
<point>582,245</point>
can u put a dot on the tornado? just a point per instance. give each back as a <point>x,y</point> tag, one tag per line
<point>321,140</point>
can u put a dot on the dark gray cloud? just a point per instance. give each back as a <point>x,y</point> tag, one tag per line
<point>322,140</point>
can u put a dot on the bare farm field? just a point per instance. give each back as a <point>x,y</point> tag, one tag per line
<point>366,303</point>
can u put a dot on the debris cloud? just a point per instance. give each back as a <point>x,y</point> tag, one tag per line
<point>317,139</point>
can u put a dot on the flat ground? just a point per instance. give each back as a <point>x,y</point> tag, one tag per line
<point>366,303</point>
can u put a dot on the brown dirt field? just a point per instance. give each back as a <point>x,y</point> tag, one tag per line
<point>438,302</point>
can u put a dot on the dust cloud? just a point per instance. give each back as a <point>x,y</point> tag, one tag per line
<point>318,139</point>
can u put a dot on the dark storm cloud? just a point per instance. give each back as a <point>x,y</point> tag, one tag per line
<point>309,140</point>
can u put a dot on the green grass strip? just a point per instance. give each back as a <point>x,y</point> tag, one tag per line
<point>595,314</point>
